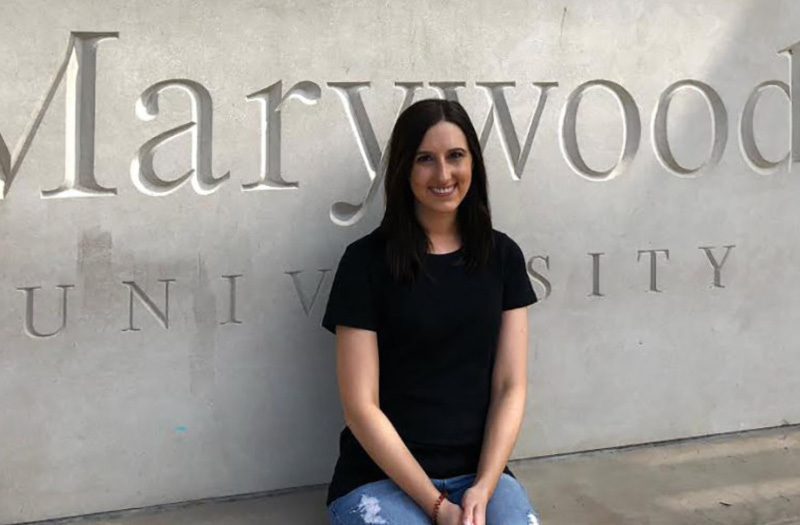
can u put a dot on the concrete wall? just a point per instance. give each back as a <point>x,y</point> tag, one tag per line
<point>160,300</point>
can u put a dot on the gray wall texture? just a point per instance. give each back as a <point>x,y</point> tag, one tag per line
<point>179,180</point>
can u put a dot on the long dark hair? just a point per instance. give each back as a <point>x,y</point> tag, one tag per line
<point>406,241</point>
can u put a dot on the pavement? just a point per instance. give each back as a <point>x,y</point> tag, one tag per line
<point>749,478</point>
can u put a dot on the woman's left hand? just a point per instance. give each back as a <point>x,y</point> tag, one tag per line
<point>474,505</point>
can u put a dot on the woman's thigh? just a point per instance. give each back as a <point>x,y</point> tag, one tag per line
<point>509,504</point>
<point>378,502</point>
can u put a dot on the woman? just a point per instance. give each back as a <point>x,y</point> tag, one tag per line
<point>431,340</point>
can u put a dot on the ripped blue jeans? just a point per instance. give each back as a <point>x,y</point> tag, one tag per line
<point>384,503</point>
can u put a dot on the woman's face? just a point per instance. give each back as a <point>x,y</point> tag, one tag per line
<point>442,170</point>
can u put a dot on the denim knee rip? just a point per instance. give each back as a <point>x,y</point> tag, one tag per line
<point>370,509</point>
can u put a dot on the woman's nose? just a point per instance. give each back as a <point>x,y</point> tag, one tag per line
<point>442,170</point>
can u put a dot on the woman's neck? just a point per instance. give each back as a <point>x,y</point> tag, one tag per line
<point>442,231</point>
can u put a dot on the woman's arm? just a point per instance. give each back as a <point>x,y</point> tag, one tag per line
<point>507,405</point>
<point>357,372</point>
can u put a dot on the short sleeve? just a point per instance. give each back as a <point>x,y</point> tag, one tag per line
<point>517,289</point>
<point>352,299</point>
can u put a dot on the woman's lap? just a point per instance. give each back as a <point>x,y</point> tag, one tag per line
<point>377,502</point>
<point>383,502</point>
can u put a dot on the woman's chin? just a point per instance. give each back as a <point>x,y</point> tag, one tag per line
<point>442,207</point>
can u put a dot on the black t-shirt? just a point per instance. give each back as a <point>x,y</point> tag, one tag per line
<point>436,348</point>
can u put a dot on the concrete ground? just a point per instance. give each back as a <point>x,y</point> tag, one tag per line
<point>750,478</point>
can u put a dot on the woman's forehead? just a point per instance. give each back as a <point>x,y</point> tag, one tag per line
<point>443,136</point>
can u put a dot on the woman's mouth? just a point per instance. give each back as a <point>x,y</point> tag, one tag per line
<point>443,191</point>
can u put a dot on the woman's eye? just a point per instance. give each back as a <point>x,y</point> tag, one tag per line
<point>457,154</point>
<point>423,158</point>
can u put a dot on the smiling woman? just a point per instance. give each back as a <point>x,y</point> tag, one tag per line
<point>431,340</point>
<point>442,171</point>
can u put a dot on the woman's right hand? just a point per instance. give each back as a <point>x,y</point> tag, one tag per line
<point>449,514</point>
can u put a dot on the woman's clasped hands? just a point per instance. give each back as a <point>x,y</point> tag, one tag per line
<point>471,512</point>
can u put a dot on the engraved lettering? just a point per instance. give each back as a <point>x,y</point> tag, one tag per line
<point>305,302</point>
<point>631,130</point>
<point>794,82</point>
<point>719,127</point>
<point>161,316</point>
<point>143,172</point>
<point>449,91</point>
<point>232,300</point>
<point>747,140</point>
<point>80,66</point>
<point>715,265</point>
<point>653,285</point>
<point>30,328</point>
<point>596,274</point>
<point>539,278</point>
<point>271,101</point>
<point>344,213</point>
<point>516,155</point>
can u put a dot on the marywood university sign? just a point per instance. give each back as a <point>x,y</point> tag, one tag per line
<point>79,68</point>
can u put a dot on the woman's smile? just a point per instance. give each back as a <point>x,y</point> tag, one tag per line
<point>445,191</point>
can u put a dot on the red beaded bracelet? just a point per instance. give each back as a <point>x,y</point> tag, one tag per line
<point>439,501</point>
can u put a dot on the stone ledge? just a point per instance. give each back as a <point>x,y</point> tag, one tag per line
<point>735,479</point>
